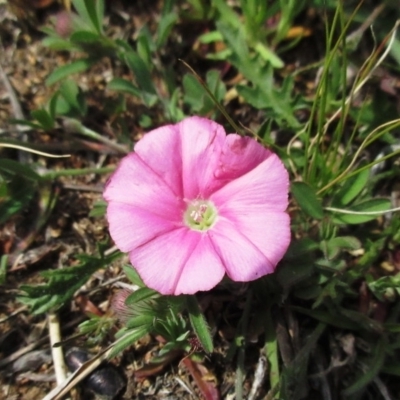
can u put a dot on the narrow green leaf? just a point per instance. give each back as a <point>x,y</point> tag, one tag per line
<point>210,37</point>
<point>351,188</point>
<point>164,27</point>
<point>11,168</point>
<point>199,324</point>
<point>307,199</point>
<point>72,94</point>
<point>288,276</point>
<point>99,209</point>
<point>3,268</point>
<point>145,46</point>
<point>269,55</point>
<point>69,69</point>
<point>62,283</point>
<point>122,85</point>
<point>226,13</point>
<point>80,7</point>
<point>372,368</point>
<point>329,317</point>
<point>333,246</point>
<point>85,37</point>
<point>56,43</point>
<point>294,375</point>
<point>53,104</point>
<point>44,118</point>
<point>18,193</point>
<point>391,369</point>
<point>23,122</point>
<point>194,92</point>
<point>133,276</point>
<point>87,11</point>
<point>362,320</point>
<point>371,205</point>
<point>142,77</point>
<point>141,294</point>
<point>141,321</point>
<point>128,339</point>
<point>301,247</point>
<point>99,6</point>
<point>271,349</point>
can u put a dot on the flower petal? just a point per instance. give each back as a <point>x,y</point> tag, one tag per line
<point>264,187</point>
<point>136,184</point>
<point>243,261</point>
<point>269,231</point>
<point>202,141</point>
<point>203,270</point>
<point>131,226</point>
<point>239,155</point>
<point>160,150</point>
<point>180,261</point>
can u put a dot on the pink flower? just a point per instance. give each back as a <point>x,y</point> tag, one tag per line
<point>192,203</point>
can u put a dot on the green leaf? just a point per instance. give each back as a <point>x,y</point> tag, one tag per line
<point>141,321</point>
<point>53,105</point>
<point>372,368</point>
<point>295,374</point>
<point>44,118</point>
<point>329,317</point>
<point>99,209</point>
<point>362,320</point>
<point>99,8</point>
<point>56,43</point>
<point>69,69</point>
<point>288,276</point>
<point>145,46</point>
<point>235,38</point>
<point>271,348</point>
<point>173,108</point>
<point>226,13</point>
<point>300,247</point>
<point>143,293</point>
<point>269,55</point>
<point>24,122</point>
<point>19,192</point>
<point>371,205</point>
<point>385,288</point>
<point>62,283</point>
<point>122,85</point>
<point>332,247</point>
<point>194,92</point>
<point>215,84</point>
<point>210,37</point>
<point>164,28</point>
<point>351,188</point>
<point>142,77</point>
<point>307,199</point>
<point>73,96</point>
<point>3,268</point>
<point>128,339</point>
<point>391,369</point>
<point>90,12</point>
<point>10,168</point>
<point>133,276</point>
<point>199,323</point>
<point>266,96</point>
<point>197,97</point>
<point>86,37</point>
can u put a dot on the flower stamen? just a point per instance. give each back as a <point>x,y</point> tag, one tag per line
<point>200,215</point>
